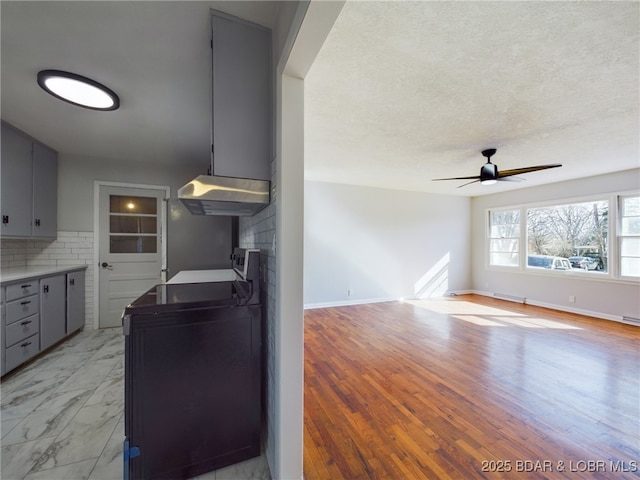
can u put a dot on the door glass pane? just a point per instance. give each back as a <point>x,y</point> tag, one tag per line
<point>132,224</point>
<point>132,244</point>
<point>130,204</point>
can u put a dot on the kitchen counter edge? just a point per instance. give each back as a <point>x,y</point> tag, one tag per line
<point>18,274</point>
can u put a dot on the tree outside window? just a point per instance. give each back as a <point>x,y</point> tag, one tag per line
<point>573,231</point>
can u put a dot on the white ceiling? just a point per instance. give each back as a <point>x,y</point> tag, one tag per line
<point>404,92</point>
<point>401,92</point>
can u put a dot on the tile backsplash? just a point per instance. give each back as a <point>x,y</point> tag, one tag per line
<point>69,248</point>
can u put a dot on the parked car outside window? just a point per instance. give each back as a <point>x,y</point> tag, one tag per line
<point>548,262</point>
<point>599,262</point>
<point>585,263</point>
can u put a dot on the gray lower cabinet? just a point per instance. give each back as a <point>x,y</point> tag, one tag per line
<point>39,312</point>
<point>75,301</point>
<point>21,326</point>
<point>53,325</point>
<point>3,349</point>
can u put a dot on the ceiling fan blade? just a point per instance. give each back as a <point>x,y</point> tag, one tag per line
<point>510,179</point>
<point>518,171</point>
<point>468,183</point>
<point>457,178</point>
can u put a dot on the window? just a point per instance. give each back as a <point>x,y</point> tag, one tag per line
<point>504,238</point>
<point>629,229</point>
<point>133,224</point>
<point>577,232</point>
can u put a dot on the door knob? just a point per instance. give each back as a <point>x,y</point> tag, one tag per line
<point>106,265</point>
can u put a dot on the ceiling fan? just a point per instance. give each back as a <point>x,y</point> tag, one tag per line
<point>489,173</point>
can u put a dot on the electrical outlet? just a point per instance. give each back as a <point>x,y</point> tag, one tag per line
<point>572,299</point>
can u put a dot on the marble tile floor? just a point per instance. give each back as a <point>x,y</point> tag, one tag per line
<point>62,415</point>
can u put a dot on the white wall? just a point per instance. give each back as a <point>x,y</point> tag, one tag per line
<point>193,241</point>
<point>370,244</point>
<point>69,248</point>
<point>603,298</point>
<point>282,310</point>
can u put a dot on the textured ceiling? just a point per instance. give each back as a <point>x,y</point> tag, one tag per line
<point>403,92</point>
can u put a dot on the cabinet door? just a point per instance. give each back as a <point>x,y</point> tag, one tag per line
<point>16,181</point>
<point>75,301</point>
<point>3,347</point>
<point>242,111</point>
<point>52,310</point>
<point>45,191</point>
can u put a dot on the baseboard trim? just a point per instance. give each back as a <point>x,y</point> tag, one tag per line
<point>346,303</point>
<point>562,308</point>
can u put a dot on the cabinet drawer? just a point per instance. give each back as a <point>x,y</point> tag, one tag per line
<point>25,307</point>
<point>22,351</point>
<point>19,290</point>
<point>22,329</point>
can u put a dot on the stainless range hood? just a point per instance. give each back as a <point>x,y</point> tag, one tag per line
<point>214,195</point>
<point>241,126</point>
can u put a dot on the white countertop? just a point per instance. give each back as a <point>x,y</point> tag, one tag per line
<point>17,274</point>
<point>203,276</point>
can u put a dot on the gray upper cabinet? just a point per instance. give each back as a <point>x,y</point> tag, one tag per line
<point>17,173</point>
<point>45,191</point>
<point>242,98</point>
<point>29,186</point>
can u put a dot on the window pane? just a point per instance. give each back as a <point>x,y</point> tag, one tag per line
<point>132,244</point>
<point>571,230</point>
<point>630,247</point>
<point>505,231</point>
<point>504,238</point>
<point>506,245</point>
<point>128,204</point>
<point>505,217</point>
<point>631,206</point>
<point>631,226</point>
<point>630,267</point>
<point>504,259</point>
<point>132,224</point>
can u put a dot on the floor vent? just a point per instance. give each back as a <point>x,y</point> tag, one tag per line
<point>511,298</point>
<point>631,320</point>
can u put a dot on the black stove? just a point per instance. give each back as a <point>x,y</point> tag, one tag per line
<point>193,375</point>
<point>182,296</point>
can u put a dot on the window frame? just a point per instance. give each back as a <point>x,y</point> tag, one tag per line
<point>489,238</point>
<point>620,236</point>
<point>613,239</point>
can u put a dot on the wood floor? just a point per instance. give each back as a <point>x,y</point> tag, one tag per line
<point>469,387</point>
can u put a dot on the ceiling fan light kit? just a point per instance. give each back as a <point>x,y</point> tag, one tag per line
<point>489,173</point>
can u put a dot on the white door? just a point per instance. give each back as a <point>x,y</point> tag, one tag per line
<point>131,260</point>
